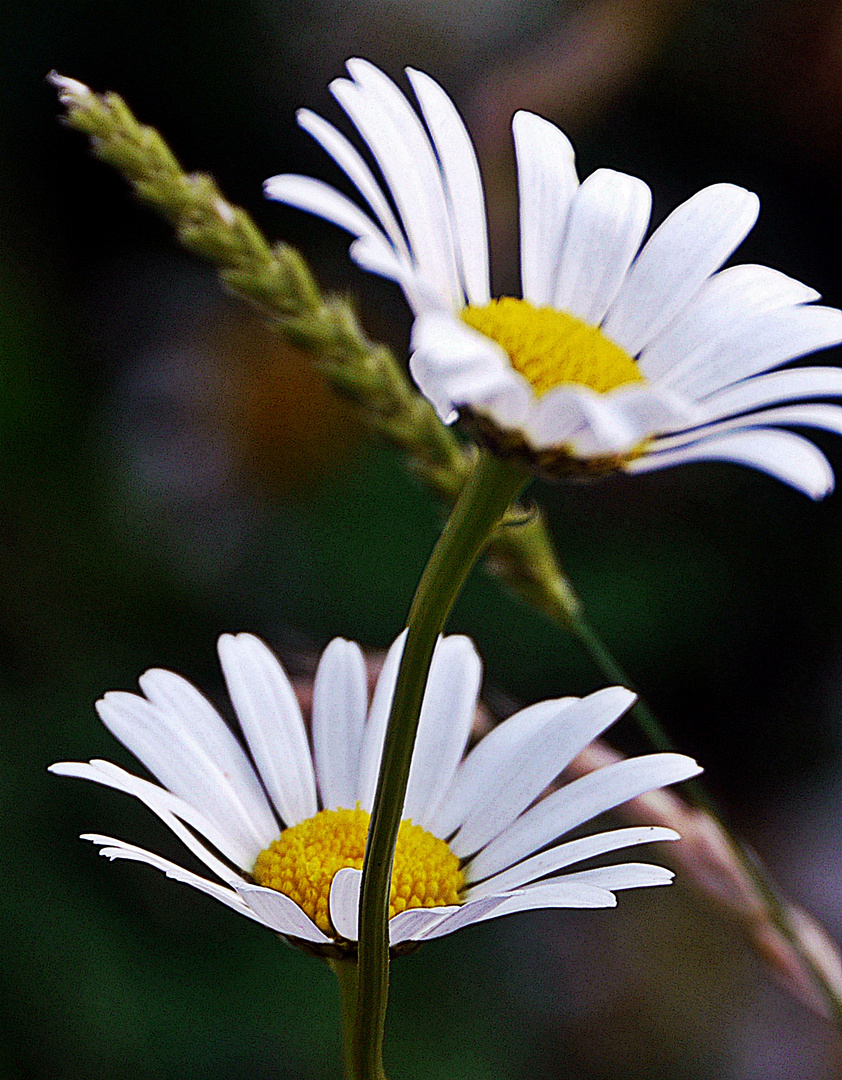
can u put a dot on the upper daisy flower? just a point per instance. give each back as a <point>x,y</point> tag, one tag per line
<point>618,356</point>
<point>286,836</point>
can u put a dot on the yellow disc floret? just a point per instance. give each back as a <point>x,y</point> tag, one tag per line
<point>550,347</point>
<point>303,861</point>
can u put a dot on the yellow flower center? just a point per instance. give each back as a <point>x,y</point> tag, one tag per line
<point>550,347</point>
<point>302,863</point>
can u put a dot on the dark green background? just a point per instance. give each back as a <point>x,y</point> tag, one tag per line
<point>167,475</point>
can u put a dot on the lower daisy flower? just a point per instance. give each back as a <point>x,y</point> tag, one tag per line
<point>620,355</point>
<point>286,835</point>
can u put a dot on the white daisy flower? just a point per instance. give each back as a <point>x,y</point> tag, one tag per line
<point>619,356</point>
<point>284,828</point>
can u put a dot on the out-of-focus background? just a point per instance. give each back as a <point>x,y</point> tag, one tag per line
<point>169,471</point>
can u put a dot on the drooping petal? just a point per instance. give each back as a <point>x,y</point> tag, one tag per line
<point>681,254</point>
<point>277,911</point>
<point>650,408</point>
<point>781,454</point>
<point>539,760</point>
<point>316,197</point>
<point>608,220</point>
<point>185,743</point>
<point>171,810</point>
<point>447,715</point>
<point>271,720</point>
<point>340,702</point>
<point>117,849</point>
<point>577,803</point>
<point>462,181</point>
<point>573,851</point>
<point>344,911</point>
<point>547,182</point>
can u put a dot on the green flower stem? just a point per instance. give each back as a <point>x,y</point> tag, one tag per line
<point>648,723</point>
<point>346,971</point>
<point>486,497</point>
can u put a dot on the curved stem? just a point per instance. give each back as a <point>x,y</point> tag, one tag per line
<point>646,720</point>
<point>484,500</point>
<point>699,796</point>
<point>345,969</point>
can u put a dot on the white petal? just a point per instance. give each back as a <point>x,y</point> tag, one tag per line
<point>577,803</point>
<point>777,386</point>
<point>375,254</point>
<point>271,720</point>
<point>556,894</point>
<point>681,254</point>
<point>447,715</point>
<point>547,182</point>
<point>825,417</point>
<point>117,849</point>
<point>757,343</point>
<point>350,161</point>
<point>489,759</point>
<point>539,760</point>
<point>403,152</point>
<point>454,365</point>
<point>279,913</point>
<point>556,858</point>
<point>321,199</point>
<point>622,876</point>
<point>462,181</point>
<point>557,415</point>
<point>344,911</point>
<point>727,298</point>
<point>470,912</point>
<point>410,925</point>
<point>185,743</point>
<point>607,223</point>
<point>652,409</point>
<point>456,350</point>
<point>508,402</point>
<point>340,701</point>
<point>592,424</point>
<point>344,902</point>
<point>372,250</point>
<point>375,728</point>
<point>171,810</point>
<point>427,377</point>
<point>538,896</point>
<point>785,456</point>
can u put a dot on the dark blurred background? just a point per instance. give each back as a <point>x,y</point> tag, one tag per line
<point>170,471</point>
